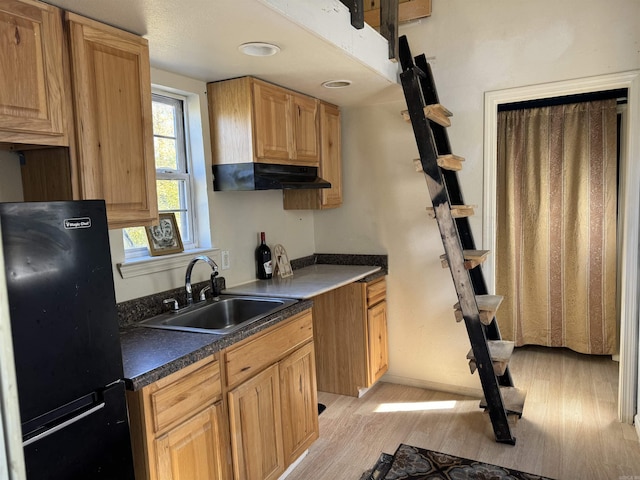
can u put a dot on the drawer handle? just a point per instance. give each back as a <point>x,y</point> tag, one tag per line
<point>63,425</point>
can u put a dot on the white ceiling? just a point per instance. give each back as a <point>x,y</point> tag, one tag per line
<point>200,39</point>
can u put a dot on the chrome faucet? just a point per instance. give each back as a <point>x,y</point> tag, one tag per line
<point>187,277</point>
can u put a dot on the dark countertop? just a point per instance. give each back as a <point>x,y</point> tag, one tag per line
<point>150,354</point>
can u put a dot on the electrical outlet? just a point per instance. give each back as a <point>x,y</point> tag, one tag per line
<point>225,259</point>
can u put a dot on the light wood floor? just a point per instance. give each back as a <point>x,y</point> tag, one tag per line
<point>569,429</point>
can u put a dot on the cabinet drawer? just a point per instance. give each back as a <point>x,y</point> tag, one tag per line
<point>184,396</point>
<point>376,291</point>
<point>246,360</point>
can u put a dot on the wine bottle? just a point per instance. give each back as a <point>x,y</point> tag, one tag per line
<point>264,268</point>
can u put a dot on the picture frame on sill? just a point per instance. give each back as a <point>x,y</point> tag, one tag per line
<point>164,238</point>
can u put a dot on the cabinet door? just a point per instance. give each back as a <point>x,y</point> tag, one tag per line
<point>340,337</point>
<point>32,96</point>
<point>330,167</point>
<point>305,130</point>
<point>195,450</point>
<point>377,341</point>
<point>331,155</point>
<point>273,137</point>
<point>112,98</point>
<point>299,402</point>
<point>256,428</point>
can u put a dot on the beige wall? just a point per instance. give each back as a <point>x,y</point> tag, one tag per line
<point>478,47</point>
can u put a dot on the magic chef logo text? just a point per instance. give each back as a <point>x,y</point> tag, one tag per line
<point>73,223</point>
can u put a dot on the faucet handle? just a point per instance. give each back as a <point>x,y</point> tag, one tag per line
<point>203,292</point>
<point>172,303</point>
<point>215,285</point>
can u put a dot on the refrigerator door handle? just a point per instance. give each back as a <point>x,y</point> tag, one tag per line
<point>62,425</point>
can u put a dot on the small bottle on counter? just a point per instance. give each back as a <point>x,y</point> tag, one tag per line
<point>264,267</point>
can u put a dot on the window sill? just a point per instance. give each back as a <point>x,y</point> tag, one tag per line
<point>146,265</point>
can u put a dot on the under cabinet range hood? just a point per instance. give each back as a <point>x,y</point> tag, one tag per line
<point>266,176</point>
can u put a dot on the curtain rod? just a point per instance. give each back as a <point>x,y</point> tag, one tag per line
<point>619,94</point>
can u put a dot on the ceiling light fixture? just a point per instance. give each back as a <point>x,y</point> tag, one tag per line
<point>337,83</point>
<point>259,49</point>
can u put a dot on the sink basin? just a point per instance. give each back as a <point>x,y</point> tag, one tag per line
<point>221,317</point>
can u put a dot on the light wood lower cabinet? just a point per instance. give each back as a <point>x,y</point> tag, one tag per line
<point>192,450</point>
<point>256,426</point>
<point>299,400</point>
<point>179,426</point>
<point>378,355</point>
<point>274,413</point>
<point>350,332</point>
<point>248,416</point>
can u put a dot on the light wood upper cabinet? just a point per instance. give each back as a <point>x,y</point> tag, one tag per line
<point>331,155</point>
<point>112,103</point>
<point>304,111</point>
<point>351,337</point>
<point>255,121</point>
<point>32,90</point>
<point>274,137</point>
<point>330,168</point>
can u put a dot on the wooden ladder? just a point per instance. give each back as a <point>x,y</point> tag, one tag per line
<point>489,354</point>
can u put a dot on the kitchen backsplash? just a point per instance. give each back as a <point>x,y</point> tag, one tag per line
<point>138,309</point>
<point>341,259</point>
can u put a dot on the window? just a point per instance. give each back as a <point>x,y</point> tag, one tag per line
<point>173,177</point>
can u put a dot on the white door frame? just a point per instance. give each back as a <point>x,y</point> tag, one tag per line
<point>629,196</point>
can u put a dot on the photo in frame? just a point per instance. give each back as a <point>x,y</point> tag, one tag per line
<point>164,238</point>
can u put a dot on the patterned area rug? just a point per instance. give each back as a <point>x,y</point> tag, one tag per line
<point>413,463</point>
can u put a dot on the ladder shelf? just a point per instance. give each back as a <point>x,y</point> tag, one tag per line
<point>489,354</point>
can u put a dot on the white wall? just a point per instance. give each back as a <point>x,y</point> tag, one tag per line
<point>478,47</point>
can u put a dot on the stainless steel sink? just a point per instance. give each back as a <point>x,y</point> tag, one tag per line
<point>223,316</point>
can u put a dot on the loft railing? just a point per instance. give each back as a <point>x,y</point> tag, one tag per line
<point>388,20</point>
<point>386,14</point>
<point>356,8</point>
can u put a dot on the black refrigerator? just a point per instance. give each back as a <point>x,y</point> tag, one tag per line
<point>66,343</point>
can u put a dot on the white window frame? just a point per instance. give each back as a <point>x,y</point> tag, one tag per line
<point>184,164</point>
<point>185,173</point>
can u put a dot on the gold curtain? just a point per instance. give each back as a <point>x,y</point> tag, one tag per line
<point>556,233</point>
